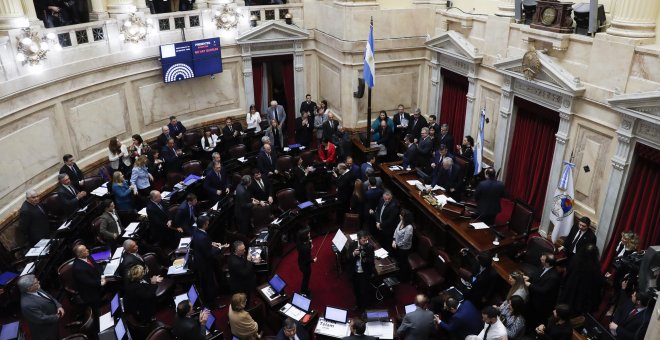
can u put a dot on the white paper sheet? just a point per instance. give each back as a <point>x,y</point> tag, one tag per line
<point>479,225</point>
<point>379,329</point>
<point>339,240</point>
<point>106,321</point>
<point>381,253</point>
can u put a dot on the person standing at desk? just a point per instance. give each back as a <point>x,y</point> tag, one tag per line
<point>241,273</point>
<point>362,256</point>
<point>33,221</point>
<point>89,281</point>
<point>185,214</point>
<point>387,218</point>
<point>305,259</point>
<point>417,324</point>
<point>40,309</point>
<point>488,195</point>
<point>205,253</point>
<point>187,328</point>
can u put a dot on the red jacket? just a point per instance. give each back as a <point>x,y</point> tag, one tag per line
<point>331,153</point>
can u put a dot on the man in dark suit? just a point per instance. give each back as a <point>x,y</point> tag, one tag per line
<point>483,280</point>
<point>362,258</point>
<point>186,327</point>
<point>386,216</point>
<point>410,155</point>
<point>543,289</point>
<point>231,134</point>
<point>465,319</point>
<point>417,122</point>
<point>488,195</point>
<point>205,254</point>
<point>163,137</point>
<point>433,124</point>
<point>308,105</point>
<point>579,237</point>
<point>215,182</point>
<point>401,120</point>
<point>445,137</point>
<point>290,330</point>
<point>185,215</point>
<point>33,220</point>
<point>89,281</point>
<point>130,258</point>
<point>161,227</point>
<point>304,129</point>
<point>345,182</point>
<point>276,112</point>
<point>243,202</point>
<point>71,168</point>
<point>176,130</point>
<point>40,309</point>
<point>69,197</point>
<point>358,327</point>
<point>171,156</point>
<point>632,317</point>
<point>261,187</point>
<point>369,164</point>
<point>418,324</point>
<point>330,127</point>
<point>242,278</point>
<point>450,177</point>
<point>425,148</point>
<point>266,161</point>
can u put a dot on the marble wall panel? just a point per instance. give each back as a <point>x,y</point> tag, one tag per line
<point>591,149</point>
<point>96,117</point>
<point>329,83</point>
<point>29,148</point>
<point>605,73</point>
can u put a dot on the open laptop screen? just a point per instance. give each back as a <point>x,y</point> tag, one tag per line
<point>102,256</point>
<point>192,295</point>
<point>9,331</point>
<point>301,302</point>
<point>210,322</point>
<point>336,314</point>
<point>277,283</point>
<point>120,330</point>
<point>410,308</point>
<point>114,304</point>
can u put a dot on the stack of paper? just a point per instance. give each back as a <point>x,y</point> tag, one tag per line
<point>184,242</point>
<point>381,253</point>
<point>396,168</point>
<point>380,330</point>
<point>130,230</point>
<point>29,268</point>
<point>165,194</point>
<point>319,201</point>
<point>41,248</point>
<point>65,225</point>
<point>479,225</point>
<point>293,312</point>
<point>118,253</point>
<point>143,212</point>
<point>413,182</point>
<point>106,321</point>
<point>111,267</point>
<point>100,191</point>
<point>302,147</point>
<point>242,160</point>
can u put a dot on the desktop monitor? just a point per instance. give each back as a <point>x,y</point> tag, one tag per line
<point>336,314</point>
<point>102,256</point>
<point>114,304</point>
<point>120,330</point>
<point>410,308</point>
<point>210,322</point>
<point>9,331</point>
<point>277,284</point>
<point>301,302</point>
<point>192,295</point>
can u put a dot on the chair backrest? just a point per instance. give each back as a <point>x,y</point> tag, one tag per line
<point>235,179</point>
<point>91,183</point>
<point>161,333</point>
<point>77,336</point>
<point>424,247</point>
<point>261,215</point>
<point>191,138</point>
<point>215,130</point>
<point>284,163</point>
<point>152,263</point>
<point>53,205</point>
<point>286,199</point>
<point>237,151</point>
<point>192,167</point>
<point>308,157</point>
<point>255,145</point>
<point>173,178</point>
<point>521,218</point>
<point>171,211</point>
<point>65,275</point>
<point>537,246</point>
<point>441,262</point>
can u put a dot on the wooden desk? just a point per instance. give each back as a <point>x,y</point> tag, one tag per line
<point>360,151</point>
<point>282,298</point>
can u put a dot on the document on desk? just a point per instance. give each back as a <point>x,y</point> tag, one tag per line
<point>184,242</point>
<point>130,230</point>
<point>111,267</point>
<point>413,182</point>
<point>339,240</point>
<point>143,212</point>
<point>381,253</point>
<point>118,253</point>
<point>176,270</point>
<point>165,194</point>
<point>106,321</point>
<point>215,206</point>
<point>29,268</point>
<point>100,191</point>
<point>242,160</point>
<point>479,225</point>
<point>65,225</point>
<point>319,200</point>
<point>293,312</point>
<point>396,168</point>
<point>180,298</point>
<point>41,251</point>
<point>277,221</point>
<point>381,330</point>
<point>332,329</point>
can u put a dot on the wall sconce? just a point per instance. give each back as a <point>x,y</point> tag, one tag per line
<point>32,48</point>
<point>227,18</point>
<point>253,21</point>
<point>134,29</point>
<point>288,18</point>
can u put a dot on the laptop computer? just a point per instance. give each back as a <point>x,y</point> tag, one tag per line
<point>298,307</point>
<point>121,332</point>
<point>410,308</point>
<point>304,205</point>
<point>193,296</point>
<point>115,305</point>
<point>10,331</point>
<point>210,323</point>
<point>376,315</point>
<point>277,285</point>
<point>301,302</point>
<point>336,314</point>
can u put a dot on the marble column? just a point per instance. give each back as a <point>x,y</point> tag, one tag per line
<point>31,13</point>
<point>616,184</point>
<point>248,84</point>
<point>116,7</point>
<point>469,108</point>
<point>561,138</point>
<point>98,10</point>
<point>635,19</point>
<point>506,8</point>
<point>298,74</point>
<point>436,87</point>
<point>505,126</point>
<point>12,15</point>
<point>141,6</point>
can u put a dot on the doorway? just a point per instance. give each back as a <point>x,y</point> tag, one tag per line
<point>272,78</point>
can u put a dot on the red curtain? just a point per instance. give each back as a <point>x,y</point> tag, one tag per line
<point>289,92</point>
<point>530,155</point>
<point>453,104</point>
<point>640,208</point>
<point>257,74</point>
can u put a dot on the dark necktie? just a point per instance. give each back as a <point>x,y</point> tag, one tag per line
<point>486,332</point>
<point>43,295</point>
<point>269,159</point>
<point>219,177</point>
<point>261,185</point>
<point>73,191</point>
<point>277,119</point>
<point>41,209</point>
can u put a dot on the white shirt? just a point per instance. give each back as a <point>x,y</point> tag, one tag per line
<point>123,155</point>
<point>253,121</point>
<point>213,141</point>
<point>497,331</point>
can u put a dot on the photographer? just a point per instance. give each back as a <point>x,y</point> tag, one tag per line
<point>362,257</point>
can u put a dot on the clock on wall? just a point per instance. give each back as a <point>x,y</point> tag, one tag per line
<point>554,16</point>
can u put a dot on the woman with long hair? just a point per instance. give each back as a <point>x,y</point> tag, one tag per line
<point>118,155</point>
<point>138,147</point>
<point>518,286</point>
<point>209,142</point>
<point>140,176</point>
<point>375,125</point>
<point>320,118</point>
<point>241,323</point>
<point>357,198</point>
<point>253,119</point>
<point>122,191</point>
<point>511,314</point>
<point>402,242</point>
<point>305,258</point>
<point>465,149</point>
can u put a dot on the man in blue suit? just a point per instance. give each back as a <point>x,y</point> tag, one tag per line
<point>185,214</point>
<point>204,254</point>
<point>215,182</point>
<point>466,319</point>
<point>488,196</point>
<point>176,130</point>
<point>291,331</point>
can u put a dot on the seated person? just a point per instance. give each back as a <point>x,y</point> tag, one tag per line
<point>290,330</point>
<point>185,326</point>
<point>465,319</point>
<point>358,327</point>
<point>633,316</point>
<point>240,321</point>
<point>559,326</point>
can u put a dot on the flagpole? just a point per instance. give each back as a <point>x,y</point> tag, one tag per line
<point>367,141</point>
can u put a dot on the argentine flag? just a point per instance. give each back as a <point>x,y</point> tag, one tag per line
<point>561,213</point>
<point>479,148</point>
<point>369,62</point>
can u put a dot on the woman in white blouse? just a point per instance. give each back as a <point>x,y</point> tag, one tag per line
<point>253,119</point>
<point>402,242</point>
<point>209,141</point>
<point>118,155</point>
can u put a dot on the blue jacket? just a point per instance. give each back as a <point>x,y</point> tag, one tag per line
<point>466,321</point>
<point>123,196</point>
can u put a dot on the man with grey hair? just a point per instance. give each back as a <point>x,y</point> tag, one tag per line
<point>450,177</point>
<point>417,122</point>
<point>69,196</point>
<point>33,220</point>
<point>243,202</point>
<point>276,112</point>
<point>425,148</point>
<point>131,258</point>
<point>242,278</point>
<point>163,137</point>
<point>290,331</point>
<point>215,157</point>
<point>39,308</point>
<point>88,280</point>
<point>445,137</point>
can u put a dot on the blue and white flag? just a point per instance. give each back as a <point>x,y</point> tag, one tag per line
<point>561,214</point>
<point>479,147</point>
<point>369,62</point>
